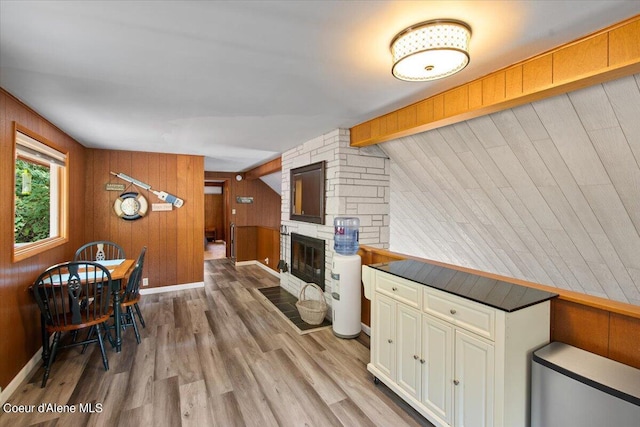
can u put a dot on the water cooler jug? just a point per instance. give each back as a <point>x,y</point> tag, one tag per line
<point>346,279</point>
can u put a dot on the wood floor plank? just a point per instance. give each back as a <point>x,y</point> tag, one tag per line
<point>193,404</point>
<point>214,371</point>
<point>225,411</point>
<point>326,387</point>
<point>350,415</point>
<point>283,402</point>
<point>217,356</point>
<point>136,417</point>
<point>362,391</point>
<point>165,353</point>
<point>306,394</point>
<point>166,402</point>
<point>187,364</point>
<point>141,377</point>
<point>252,402</point>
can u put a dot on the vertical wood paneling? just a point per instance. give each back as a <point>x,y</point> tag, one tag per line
<point>456,101</point>
<point>214,214</point>
<point>174,239</point>
<point>172,244</point>
<point>155,266</point>
<point>268,246</point>
<point>247,243</point>
<point>624,342</point>
<point>580,326</point>
<point>493,88</point>
<point>19,316</point>
<point>513,82</point>
<point>586,57</point>
<point>623,44</point>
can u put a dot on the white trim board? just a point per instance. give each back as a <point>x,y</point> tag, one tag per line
<point>264,267</point>
<point>32,364</point>
<point>172,288</point>
<point>365,329</point>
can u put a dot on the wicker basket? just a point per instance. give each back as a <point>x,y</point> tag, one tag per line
<point>312,311</point>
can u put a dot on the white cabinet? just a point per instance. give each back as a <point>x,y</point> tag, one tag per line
<point>383,331</point>
<point>456,361</point>
<point>473,381</point>
<point>437,361</point>
<point>408,349</point>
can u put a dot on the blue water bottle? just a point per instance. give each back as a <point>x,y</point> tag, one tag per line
<point>346,235</point>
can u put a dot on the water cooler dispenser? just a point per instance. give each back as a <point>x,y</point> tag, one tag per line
<point>346,278</point>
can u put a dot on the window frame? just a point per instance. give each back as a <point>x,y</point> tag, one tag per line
<point>27,250</point>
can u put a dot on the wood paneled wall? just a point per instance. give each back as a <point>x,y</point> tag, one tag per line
<point>246,243</point>
<point>258,244</point>
<point>174,239</point>
<point>19,315</point>
<point>214,214</point>
<point>263,212</point>
<point>268,247</point>
<point>608,328</point>
<point>265,209</point>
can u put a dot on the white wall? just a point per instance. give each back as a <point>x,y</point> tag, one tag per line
<point>548,192</point>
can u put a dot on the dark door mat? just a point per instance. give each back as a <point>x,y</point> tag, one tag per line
<point>285,303</point>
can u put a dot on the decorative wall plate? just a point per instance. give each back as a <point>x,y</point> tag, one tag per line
<point>131,206</point>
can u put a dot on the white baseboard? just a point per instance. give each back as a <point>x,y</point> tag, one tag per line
<point>241,263</point>
<point>22,375</point>
<point>171,288</point>
<point>366,329</point>
<point>264,267</point>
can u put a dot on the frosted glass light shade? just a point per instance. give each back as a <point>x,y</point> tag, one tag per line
<point>430,50</point>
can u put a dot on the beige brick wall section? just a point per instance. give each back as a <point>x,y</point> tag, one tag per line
<point>356,184</point>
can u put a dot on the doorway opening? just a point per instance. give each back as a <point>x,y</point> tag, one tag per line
<point>215,239</point>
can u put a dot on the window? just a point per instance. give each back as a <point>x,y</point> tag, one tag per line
<point>41,196</point>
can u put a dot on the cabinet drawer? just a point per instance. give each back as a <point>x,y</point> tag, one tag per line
<point>471,316</point>
<point>399,289</point>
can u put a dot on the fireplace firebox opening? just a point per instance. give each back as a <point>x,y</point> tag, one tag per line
<point>307,259</point>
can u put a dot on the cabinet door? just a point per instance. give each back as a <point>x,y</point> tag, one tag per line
<point>437,367</point>
<point>408,350</point>
<point>383,328</point>
<point>473,383</point>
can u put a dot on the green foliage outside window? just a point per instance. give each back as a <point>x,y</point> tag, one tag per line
<point>33,209</point>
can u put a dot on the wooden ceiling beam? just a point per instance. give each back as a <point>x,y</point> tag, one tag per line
<point>268,168</point>
<point>605,55</point>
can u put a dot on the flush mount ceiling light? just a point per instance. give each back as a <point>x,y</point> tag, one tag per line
<point>430,50</point>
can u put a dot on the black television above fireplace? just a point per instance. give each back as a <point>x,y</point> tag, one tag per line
<point>307,193</point>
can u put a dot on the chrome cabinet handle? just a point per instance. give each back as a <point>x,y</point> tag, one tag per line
<point>389,340</point>
<point>452,311</point>
<point>394,289</point>
<point>456,382</point>
<point>416,357</point>
<point>422,361</point>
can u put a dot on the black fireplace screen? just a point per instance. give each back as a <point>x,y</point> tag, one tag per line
<point>307,259</point>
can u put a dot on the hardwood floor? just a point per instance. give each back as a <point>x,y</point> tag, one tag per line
<point>215,250</point>
<point>218,356</point>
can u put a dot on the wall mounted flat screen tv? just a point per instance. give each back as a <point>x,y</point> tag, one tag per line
<point>307,193</point>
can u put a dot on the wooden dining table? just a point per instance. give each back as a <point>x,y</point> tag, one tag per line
<point>119,271</point>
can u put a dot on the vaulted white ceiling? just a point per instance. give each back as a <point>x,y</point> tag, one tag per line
<point>546,192</point>
<point>242,81</point>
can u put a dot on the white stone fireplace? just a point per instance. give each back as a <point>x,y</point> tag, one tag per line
<point>356,184</point>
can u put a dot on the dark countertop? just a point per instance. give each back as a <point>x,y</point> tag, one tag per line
<point>498,294</point>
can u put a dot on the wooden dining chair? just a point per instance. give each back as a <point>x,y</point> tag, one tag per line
<point>70,298</point>
<point>131,297</point>
<point>99,250</point>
